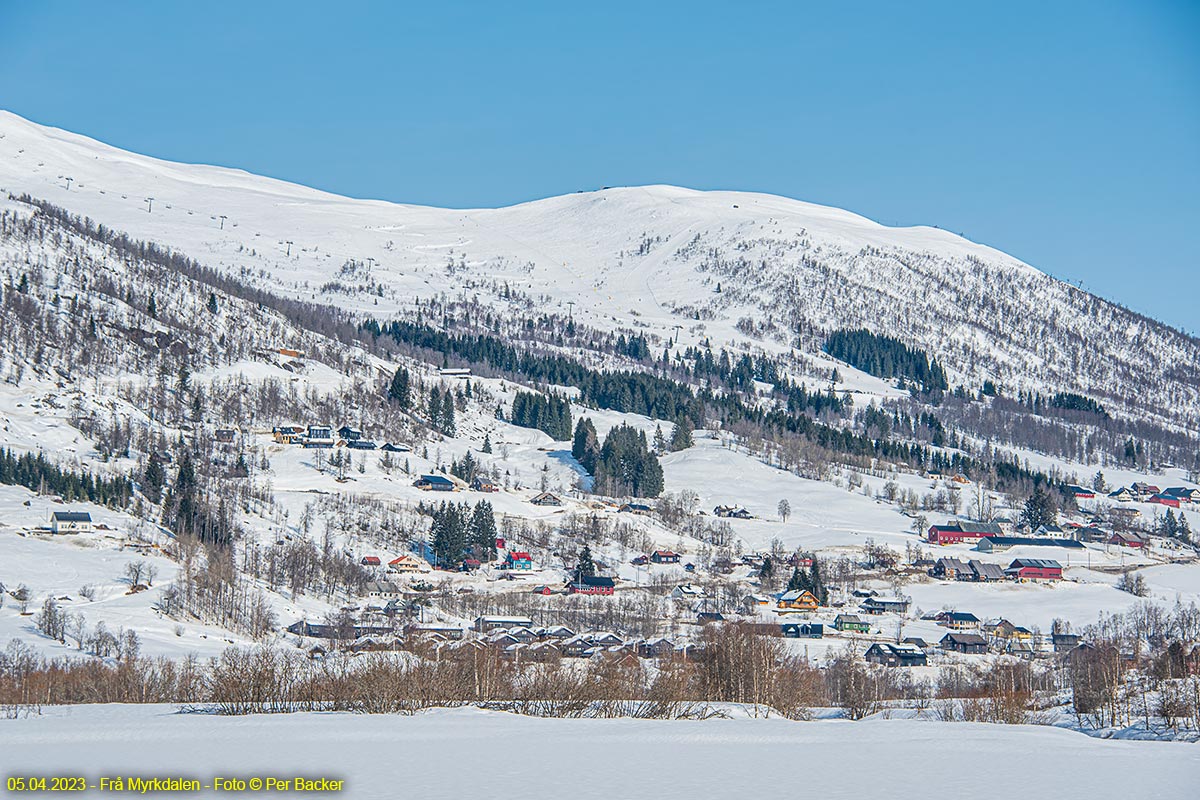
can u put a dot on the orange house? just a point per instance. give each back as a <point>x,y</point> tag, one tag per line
<point>798,601</point>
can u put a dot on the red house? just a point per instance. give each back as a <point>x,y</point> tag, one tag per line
<point>956,532</point>
<point>1165,499</point>
<point>590,584</point>
<point>1034,569</point>
<point>543,590</point>
<point>664,557</point>
<point>370,561</point>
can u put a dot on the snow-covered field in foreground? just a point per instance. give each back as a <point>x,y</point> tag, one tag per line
<point>472,753</point>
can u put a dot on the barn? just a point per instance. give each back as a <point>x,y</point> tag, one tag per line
<point>960,531</point>
<point>1034,569</point>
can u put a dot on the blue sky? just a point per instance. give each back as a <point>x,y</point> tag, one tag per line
<point>1065,133</point>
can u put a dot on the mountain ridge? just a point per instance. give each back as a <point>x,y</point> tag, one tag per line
<point>748,271</point>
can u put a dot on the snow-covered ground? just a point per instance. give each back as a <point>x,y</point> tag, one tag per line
<point>471,753</point>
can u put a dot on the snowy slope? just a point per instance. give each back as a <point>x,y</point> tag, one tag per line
<point>649,258</point>
<point>424,755</point>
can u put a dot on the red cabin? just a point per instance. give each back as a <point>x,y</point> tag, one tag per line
<point>370,561</point>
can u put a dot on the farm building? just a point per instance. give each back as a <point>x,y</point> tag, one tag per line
<point>998,544</point>
<point>636,508</point>
<point>1164,499</point>
<point>1128,539</point>
<point>732,512</point>
<point>664,557</point>
<point>1034,569</point>
<point>370,561</point>
<point>480,484</point>
<point>962,531</point>
<point>546,499</point>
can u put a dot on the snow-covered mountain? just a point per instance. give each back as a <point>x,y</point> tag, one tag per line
<point>750,271</point>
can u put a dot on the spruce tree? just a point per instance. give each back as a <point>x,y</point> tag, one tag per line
<point>586,445</point>
<point>482,531</point>
<point>586,567</point>
<point>400,391</point>
<point>681,435</point>
<point>1039,509</point>
<point>448,425</point>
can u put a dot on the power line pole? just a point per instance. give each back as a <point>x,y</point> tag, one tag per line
<point>149,205</point>
<point>222,222</point>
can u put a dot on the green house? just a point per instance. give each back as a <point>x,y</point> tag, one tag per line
<point>851,622</point>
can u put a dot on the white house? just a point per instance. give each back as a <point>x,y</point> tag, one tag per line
<point>687,591</point>
<point>70,522</point>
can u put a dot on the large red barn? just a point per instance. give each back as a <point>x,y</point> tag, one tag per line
<point>1035,569</point>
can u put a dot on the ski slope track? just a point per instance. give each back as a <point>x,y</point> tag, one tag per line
<point>747,271</point>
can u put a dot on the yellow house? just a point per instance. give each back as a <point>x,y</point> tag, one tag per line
<point>800,600</point>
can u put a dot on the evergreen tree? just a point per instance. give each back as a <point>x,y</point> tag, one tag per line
<point>586,568</point>
<point>400,391</point>
<point>152,308</point>
<point>448,425</point>
<point>799,581</point>
<point>487,444</point>
<point>660,443</point>
<point>482,531</point>
<point>212,303</point>
<point>626,466</point>
<point>586,445</point>
<point>681,435</point>
<point>1183,531</point>
<point>1039,510</point>
<point>449,534</point>
<point>153,479</point>
<point>817,583</point>
<point>767,572</point>
<point>182,505</point>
